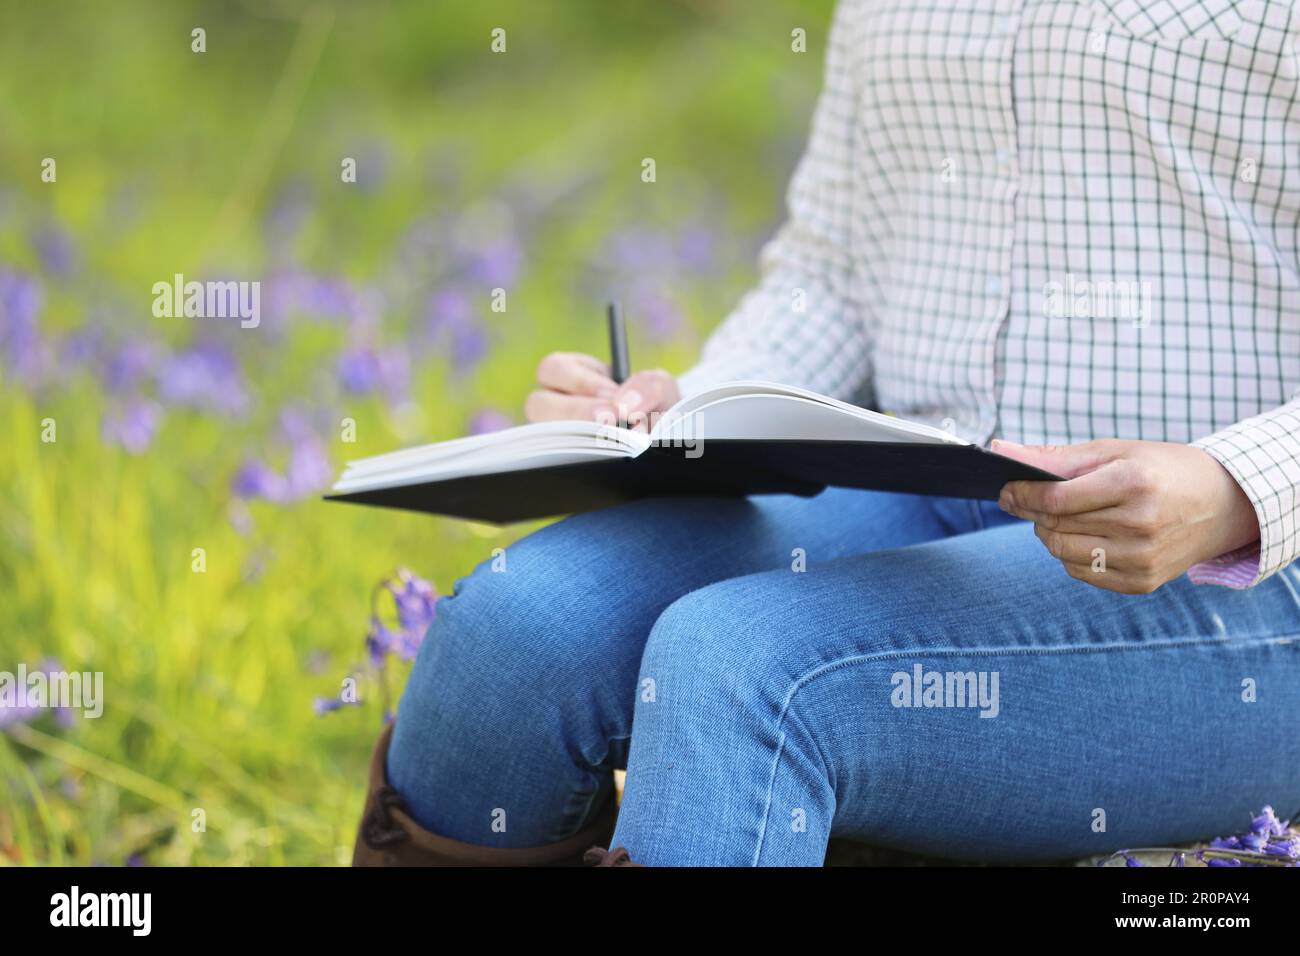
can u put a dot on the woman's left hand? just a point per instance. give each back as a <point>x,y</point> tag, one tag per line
<point>1143,511</point>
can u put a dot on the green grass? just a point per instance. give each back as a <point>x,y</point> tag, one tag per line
<point>169,161</point>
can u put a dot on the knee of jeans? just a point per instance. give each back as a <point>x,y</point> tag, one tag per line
<point>714,647</point>
<point>534,620</point>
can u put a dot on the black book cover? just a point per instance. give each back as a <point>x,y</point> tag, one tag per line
<point>724,467</point>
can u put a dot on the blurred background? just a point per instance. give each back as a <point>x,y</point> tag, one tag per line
<point>172,534</point>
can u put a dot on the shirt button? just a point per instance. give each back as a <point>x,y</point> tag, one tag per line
<point>1004,25</point>
<point>1003,156</point>
<point>995,286</point>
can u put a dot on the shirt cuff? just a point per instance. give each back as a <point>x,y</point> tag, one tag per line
<point>1236,569</point>
<point>1262,454</point>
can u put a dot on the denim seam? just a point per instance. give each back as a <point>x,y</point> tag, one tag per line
<point>584,817</point>
<point>820,670</point>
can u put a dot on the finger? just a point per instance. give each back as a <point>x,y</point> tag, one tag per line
<point>1068,461</point>
<point>567,372</point>
<point>1075,548</point>
<point>545,406</point>
<point>1102,522</point>
<point>648,391</point>
<point>1092,491</point>
<point>1120,582</point>
<point>590,361</point>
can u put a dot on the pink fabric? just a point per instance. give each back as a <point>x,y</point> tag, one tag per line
<point>1236,569</point>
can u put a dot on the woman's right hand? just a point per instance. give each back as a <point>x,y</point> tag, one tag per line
<point>572,386</point>
<point>576,386</point>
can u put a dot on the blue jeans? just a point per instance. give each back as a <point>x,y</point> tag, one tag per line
<point>911,672</point>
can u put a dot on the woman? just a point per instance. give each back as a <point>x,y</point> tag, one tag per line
<point>1066,228</point>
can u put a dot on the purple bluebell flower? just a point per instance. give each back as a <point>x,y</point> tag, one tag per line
<point>1268,839</point>
<point>84,346</point>
<point>452,326</point>
<point>129,364</point>
<point>256,479</point>
<point>414,598</point>
<point>697,248</point>
<point>12,714</point>
<point>380,641</point>
<point>309,469</point>
<point>325,705</point>
<point>358,370</point>
<point>488,420</point>
<point>658,315</point>
<point>363,370</point>
<point>206,376</point>
<point>1267,823</point>
<point>1254,842</point>
<point>293,292</point>
<point>307,472</point>
<point>448,308</point>
<point>636,251</point>
<point>497,263</point>
<point>416,601</point>
<point>1289,848</point>
<point>133,425</point>
<point>54,247</point>
<point>469,345</point>
<point>21,301</point>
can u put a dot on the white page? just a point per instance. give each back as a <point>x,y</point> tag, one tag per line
<point>474,466</point>
<point>562,436</point>
<point>758,410</point>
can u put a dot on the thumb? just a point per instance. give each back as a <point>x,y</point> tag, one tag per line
<point>1067,461</point>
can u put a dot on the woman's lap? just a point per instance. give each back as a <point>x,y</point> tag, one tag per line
<point>763,698</point>
<point>522,692</point>
<point>1117,720</point>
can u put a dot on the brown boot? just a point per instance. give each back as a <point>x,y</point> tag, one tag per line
<point>389,837</point>
<point>599,856</point>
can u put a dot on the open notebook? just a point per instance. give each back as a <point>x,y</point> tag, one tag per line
<point>736,439</point>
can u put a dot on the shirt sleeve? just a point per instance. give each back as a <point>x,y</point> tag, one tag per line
<point>802,324</point>
<point>1263,455</point>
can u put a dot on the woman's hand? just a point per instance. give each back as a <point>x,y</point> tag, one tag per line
<point>571,386</point>
<point>576,386</point>
<point>1144,511</point>
<point>643,396</point>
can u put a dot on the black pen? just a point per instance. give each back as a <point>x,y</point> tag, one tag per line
<point>619,366</point>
